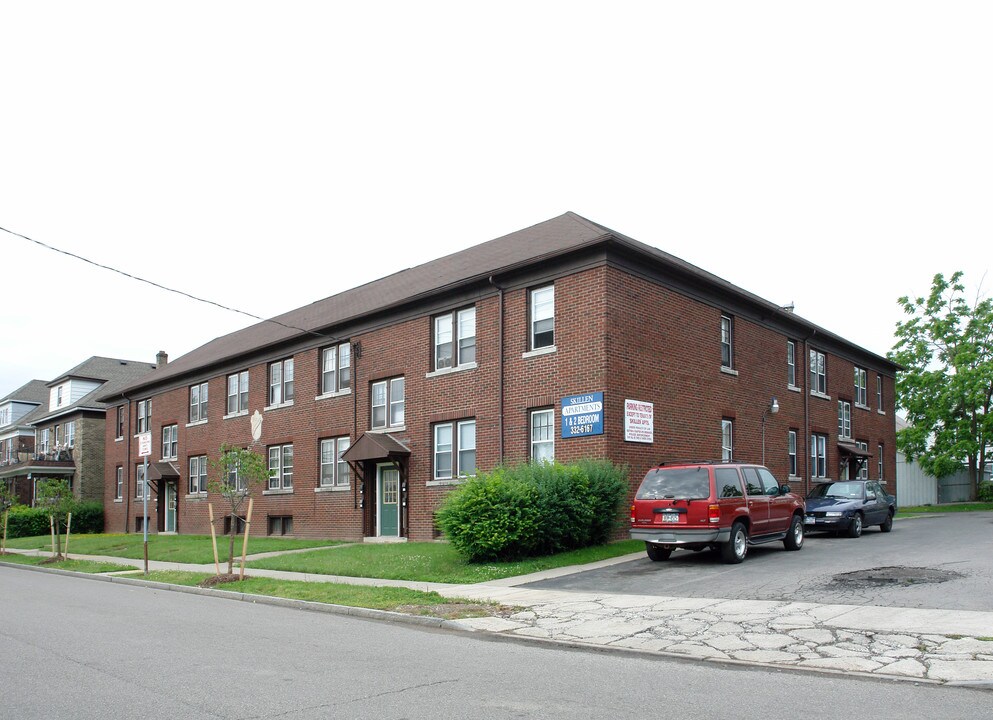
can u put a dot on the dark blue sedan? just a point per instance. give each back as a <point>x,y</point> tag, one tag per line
<point>848,506</point>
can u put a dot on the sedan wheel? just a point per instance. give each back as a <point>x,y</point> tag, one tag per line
<point>887,524</point>
<point>855,527</point>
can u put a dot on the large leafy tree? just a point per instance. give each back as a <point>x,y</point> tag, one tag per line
<point>946,348</point>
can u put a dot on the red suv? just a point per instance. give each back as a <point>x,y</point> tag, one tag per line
<point>726,506</point>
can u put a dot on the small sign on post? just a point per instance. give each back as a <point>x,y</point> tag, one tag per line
<point>144,450</point>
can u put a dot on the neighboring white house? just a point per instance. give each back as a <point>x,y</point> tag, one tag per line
<point>916,487</point>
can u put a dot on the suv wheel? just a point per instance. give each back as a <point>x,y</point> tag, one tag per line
<point>735,549</point>
<point>794,537</point>
<point>855,526</point>
<point>656,552</point>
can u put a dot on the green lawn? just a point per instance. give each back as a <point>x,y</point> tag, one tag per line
<point>172,548</point>
<point>950,508</point>
<point>404,600</point>
<point>83,566</point>
<point>430,562</point>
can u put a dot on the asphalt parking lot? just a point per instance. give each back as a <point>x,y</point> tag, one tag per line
<point>943,561</point>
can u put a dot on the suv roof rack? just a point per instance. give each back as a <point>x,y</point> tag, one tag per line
<point>709,461</point>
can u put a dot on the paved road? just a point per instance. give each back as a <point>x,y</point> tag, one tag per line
<point>955,546</point>
<point>77,648</point>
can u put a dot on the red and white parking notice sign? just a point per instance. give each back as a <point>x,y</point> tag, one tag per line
<point>639,421</point>
<point>144,444</point>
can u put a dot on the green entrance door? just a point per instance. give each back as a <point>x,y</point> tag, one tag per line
<point>388,485</point>
<point>170,507</point>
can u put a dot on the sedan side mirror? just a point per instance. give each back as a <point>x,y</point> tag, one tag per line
<point>783,489</point>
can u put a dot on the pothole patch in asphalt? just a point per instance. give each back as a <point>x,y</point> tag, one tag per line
<point>894,577</point>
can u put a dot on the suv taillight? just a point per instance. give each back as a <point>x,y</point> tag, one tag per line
<point>632,513</point>
<point>714,513</point>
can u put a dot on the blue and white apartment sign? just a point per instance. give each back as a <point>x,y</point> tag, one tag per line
<point>582,415</point>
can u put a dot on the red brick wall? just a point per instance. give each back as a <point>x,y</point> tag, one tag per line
<point>614,332</point>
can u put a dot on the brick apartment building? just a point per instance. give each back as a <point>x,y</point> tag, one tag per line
<point>369,405</point>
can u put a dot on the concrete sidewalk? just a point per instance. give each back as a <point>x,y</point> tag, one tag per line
<point>943,646</point>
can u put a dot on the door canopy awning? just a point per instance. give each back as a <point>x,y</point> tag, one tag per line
<point>376,446</point>
<point>163,470</point>
<point>852,449</point>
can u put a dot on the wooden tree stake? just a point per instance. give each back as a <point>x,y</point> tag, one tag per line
<point>248,527</point>
<point>68,525</point>
<point>213,539</point>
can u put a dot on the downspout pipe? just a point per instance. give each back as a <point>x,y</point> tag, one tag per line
<point>501,384</point>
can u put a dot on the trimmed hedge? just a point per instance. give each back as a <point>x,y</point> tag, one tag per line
<point>534,509</point>
<point>985,493</point>
<point>24,521</point>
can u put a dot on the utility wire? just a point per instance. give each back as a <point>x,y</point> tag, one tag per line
<point>163,287</point>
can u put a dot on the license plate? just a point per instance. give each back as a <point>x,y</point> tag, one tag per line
<point>670,517</point>
<point>810,521</point>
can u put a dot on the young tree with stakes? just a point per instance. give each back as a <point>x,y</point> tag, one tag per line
<point>235,473</point>
<point>946,348</point>
<point>55,496</point>
<point>7,499</point>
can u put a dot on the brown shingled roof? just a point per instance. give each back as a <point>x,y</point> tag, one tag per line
<point>530,246</point>
<point>546,239</point>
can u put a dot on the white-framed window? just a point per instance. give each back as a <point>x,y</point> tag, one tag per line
<point>238,392</point>
<point>727,439</point>
<point>336,368</point>
<point>70,433</point>
<point>281,467</point>
<point>542,310</point>
<point>119,487</point>
<point>844,419</point>
<point>45,443</point>
<point>818,455</point>
<point>454,449</point>
<point>58,396</point>
<point>818,372</point>
<point>861,392</point>
<point>543,435</point>
<point>335,472</point>
<point>791,444</point>
<point>120,422</point>
<point>198,474</point>
<point>455,339</point>
<point>388,403</point>
<point>791,363</point>
<point>170,442</point>
<point>234,480</point>
<point>879,393</point>
<point>281,382</point>
<point>864,465</point>
<point>879,461</point>
<point>727,341</point>
<point>140,485</point>
<point>198,402</point>
<point>144,419</point>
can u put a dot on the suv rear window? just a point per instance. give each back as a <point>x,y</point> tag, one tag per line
<point>728,482</point>
<point>675,483</point>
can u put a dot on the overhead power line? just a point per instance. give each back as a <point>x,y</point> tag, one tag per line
<point>163,287</point>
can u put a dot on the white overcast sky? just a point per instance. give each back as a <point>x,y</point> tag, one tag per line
<point>266,155</point>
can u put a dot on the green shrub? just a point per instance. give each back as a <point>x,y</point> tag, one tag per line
<point>534,509</point>
<point>492,516</point>
<point>87,517</point>
<point>985,493</point>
